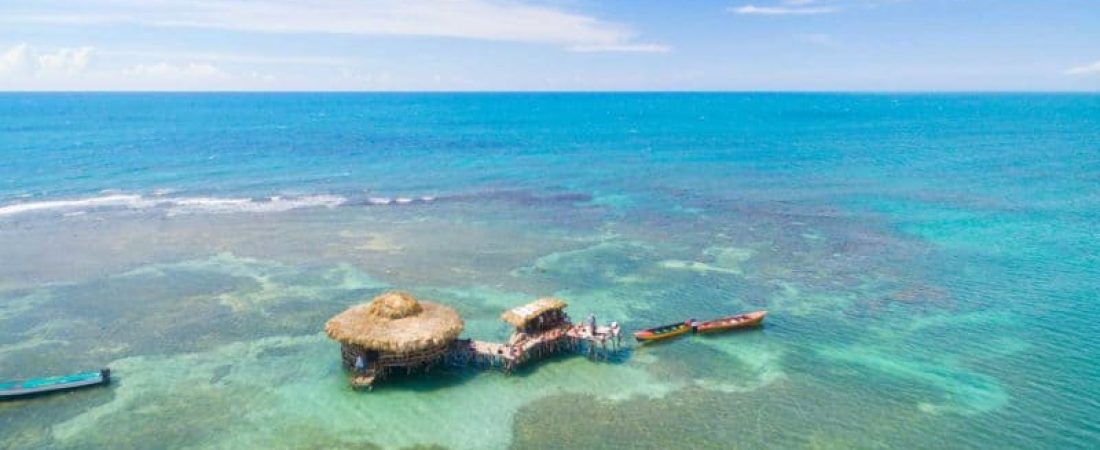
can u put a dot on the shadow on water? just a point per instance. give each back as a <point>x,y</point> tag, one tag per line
<point>436,380</point>
<point>615,358</point>
<point>733,332</point>
<point>454,377</point>
<point>447,378</point>
<point>662,342</point>
<point>27,421</point>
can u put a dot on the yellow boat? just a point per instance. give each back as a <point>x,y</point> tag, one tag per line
<point>663,332</point>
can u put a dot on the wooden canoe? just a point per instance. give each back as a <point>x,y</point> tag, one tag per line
<point>745,320</point>
<point>663,332</point>
<point>36,386</point>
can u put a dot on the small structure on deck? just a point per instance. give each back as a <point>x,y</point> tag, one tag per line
<point>393,332</point>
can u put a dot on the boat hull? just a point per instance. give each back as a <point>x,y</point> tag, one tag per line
<point>46,385</point>
<point>662,333</point>
<point>747,320</point>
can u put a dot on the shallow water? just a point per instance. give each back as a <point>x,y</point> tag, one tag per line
<point>929,265</point>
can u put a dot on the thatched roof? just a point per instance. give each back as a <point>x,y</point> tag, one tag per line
<point>396,322</point>
<point>520,315</point>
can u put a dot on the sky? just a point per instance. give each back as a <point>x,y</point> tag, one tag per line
<point>550,45</point>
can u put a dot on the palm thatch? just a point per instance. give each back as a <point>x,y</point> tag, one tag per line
<point>395,322</point>
<point>520,315</point>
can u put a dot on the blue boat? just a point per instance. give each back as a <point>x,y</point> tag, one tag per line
<point>37,386</point>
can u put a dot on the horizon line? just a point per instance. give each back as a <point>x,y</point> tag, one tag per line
<point>561,91</point>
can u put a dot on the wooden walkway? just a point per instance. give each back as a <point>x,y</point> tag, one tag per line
<point>507,357</point>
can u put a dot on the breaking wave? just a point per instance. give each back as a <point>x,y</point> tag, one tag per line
<point>171,206</point>
<point>164,201</point>
<point>397,200</point>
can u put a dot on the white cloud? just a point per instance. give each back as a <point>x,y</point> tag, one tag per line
<point>26,67</point>
<point>24,60</point>
<point>497,20</point>
<point>783,10</point>
<point>16,60</point>
<point>69,61</point>
<point>1088,69</point>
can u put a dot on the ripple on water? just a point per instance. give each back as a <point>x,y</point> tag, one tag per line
<point>961,391</point>
<point>727,260</point>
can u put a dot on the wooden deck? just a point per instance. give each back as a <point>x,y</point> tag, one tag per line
<point>580,339</point>
<point>571,338</point>
<point>483,349</point>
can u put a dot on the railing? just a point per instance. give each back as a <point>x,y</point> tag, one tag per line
<point>408,359</point>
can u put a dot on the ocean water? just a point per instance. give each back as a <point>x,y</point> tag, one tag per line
<point>930,264</point>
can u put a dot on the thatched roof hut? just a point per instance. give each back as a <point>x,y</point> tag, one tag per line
<point>521,315</point>
<point>396,322</point>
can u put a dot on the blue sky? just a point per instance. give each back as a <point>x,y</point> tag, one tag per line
<point>846,45</point>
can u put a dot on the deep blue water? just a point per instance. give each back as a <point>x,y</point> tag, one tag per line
<point>930,261</point>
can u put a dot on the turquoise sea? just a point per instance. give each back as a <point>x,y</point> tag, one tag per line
<point>930,264</point>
